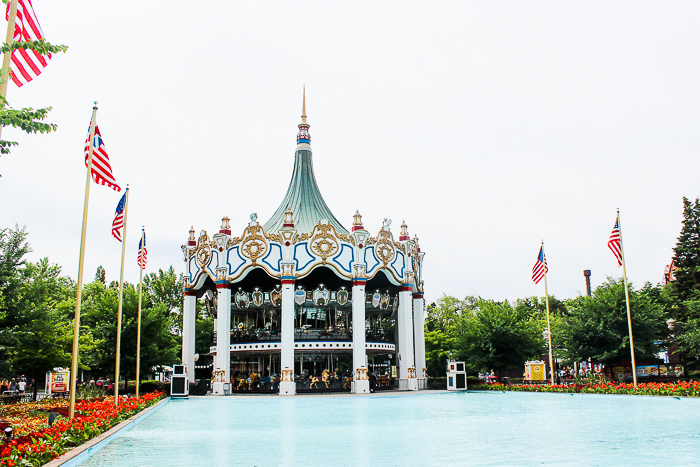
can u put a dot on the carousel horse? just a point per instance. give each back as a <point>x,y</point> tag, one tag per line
<point>241,384</point>
<point>346,384</point>
<point>252,381</point>
<point>314,382</point>
<point>325,378</point>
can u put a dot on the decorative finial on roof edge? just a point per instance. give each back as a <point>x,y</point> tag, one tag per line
<point>288,218</point>
<point>191,240</point>
<point>303,136</point>
<point>357,221</point>
<point>404,237</point>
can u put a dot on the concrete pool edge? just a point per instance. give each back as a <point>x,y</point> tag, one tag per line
<point>311,395</point>
<point>99,441</point>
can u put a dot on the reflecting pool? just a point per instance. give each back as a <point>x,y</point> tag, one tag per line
<point>475,428</point>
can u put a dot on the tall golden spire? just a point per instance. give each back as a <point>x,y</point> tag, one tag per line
<point>303,107</point>
<point>303,136</point>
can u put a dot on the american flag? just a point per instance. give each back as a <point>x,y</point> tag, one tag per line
<point>615,242</point>
<point>143,252</point>
<point>26,63</point>
<point>101,170</point>
<point>118,221</point>
<point>540,267</point>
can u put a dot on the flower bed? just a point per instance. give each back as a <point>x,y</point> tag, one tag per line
<point>35,443</point>
<point>679,389</point>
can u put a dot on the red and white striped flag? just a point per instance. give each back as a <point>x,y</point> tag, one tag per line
<point>142,255</point>
<point>26,63</point>
<point>118,221</point>
<point>540,267</point>
<point>101,170</point>
<point>615,242</point>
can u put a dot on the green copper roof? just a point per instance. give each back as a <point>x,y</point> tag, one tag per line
<point>304,198</point>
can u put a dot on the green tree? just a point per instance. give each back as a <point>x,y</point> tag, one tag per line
<point>36,305</point>
<point>687,261</point>
<point>39,335</point>
<point>440,332</point>
<point>159,345</point>
<point>596,327</point>
<point>497,336</point>
<point>688,332</point>
<point>439,347</point>
<point>13,249</point>
<point>165,288</point>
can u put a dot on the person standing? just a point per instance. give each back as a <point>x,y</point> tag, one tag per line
<point>21,385</point>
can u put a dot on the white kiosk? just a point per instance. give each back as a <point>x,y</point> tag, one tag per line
<point>179,387</point>
<point>456,376</point>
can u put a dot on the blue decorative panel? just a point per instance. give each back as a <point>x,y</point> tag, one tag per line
<point>302,256</point>
<point>194,268</point>
<point>370,259</point>
<point>345,258</point>
<point>399,264</point>
<point>274,256</point>
<point>234,260</point>
<point>213,262</point>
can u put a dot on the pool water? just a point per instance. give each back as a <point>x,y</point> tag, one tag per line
<point>475,428</point>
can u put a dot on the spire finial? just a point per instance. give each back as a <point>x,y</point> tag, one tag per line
<point>303,106</point>
<point>303,136</point>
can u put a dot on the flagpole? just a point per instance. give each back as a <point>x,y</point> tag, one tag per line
<point>627,300</point>
<point>549,328</point>
<point>119,311</point>
<point>78,294</point>
<point>9,38</point>
<point>138,327</point>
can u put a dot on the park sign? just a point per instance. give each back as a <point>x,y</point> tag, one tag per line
<point>57,380</point>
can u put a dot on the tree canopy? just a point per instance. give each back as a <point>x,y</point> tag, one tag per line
<point>596,327</point>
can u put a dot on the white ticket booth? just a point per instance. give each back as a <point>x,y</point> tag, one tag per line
<point>456,376</point>
<point>179,387</point>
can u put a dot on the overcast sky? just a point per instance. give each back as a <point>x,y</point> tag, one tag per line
<point>488,126</point>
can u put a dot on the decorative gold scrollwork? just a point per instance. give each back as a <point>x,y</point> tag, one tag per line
<point>203,250</point>
<point>360,271</point>
<point>385,249</point>
<point>425,373</point>
<point>324,243</point>
<point>361,374</point>
<point>287,269</point>
<point>346,238</point>
<point>273,237</point>
<point>218,376</point>
<point>414,257</point>
<point>409,276</point>
<point>254,245</point>
<point>287,375</point>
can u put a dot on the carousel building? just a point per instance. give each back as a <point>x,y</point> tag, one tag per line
<point>301,303</point>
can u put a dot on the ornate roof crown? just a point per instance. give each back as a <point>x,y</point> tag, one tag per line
<point>303,196</point>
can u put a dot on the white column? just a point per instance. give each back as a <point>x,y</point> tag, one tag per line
<point>419,339</point>
<point>359,352</point>
<point>189,310</point>
<point>223,338</point>
<point>287,385</point>
<point>405,359</point>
